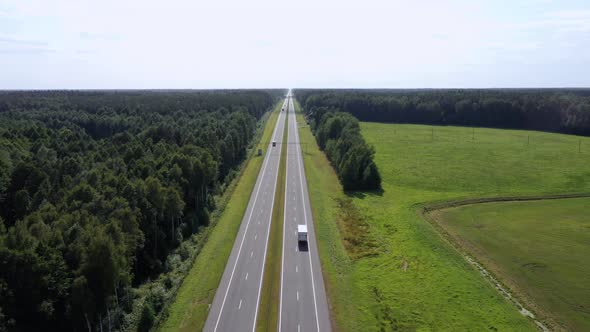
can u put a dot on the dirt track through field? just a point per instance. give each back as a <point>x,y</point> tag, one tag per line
<point>470,201</point>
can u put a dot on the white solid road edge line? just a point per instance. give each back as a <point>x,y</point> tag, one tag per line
<point>274,191</point>
<point>246,230</point>
<point>299,161</point>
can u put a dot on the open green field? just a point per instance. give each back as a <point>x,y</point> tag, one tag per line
<point>417,280</point>
<point>189,311</point>
<point>540,249</point>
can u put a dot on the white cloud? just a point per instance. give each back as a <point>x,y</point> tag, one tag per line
<point>20,42</point>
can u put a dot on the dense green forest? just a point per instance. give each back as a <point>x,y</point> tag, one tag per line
<point>338,134</point>
<point>555,110</point>
<point>97,188</point>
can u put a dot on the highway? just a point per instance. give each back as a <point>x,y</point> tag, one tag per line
<point>303,301</point>
<point>235,305</point>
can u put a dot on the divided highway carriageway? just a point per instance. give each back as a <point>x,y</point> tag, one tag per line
<point>303,303</point>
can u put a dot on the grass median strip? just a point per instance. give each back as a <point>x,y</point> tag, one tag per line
<point>271,286</point>
<point>189,310</point>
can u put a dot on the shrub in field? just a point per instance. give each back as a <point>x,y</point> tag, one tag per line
<point>338,134</point>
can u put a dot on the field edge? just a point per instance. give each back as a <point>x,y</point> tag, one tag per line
<point>429,212</point>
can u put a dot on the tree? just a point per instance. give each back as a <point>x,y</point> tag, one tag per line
<point>371,177</point>
<point>549,110</point>
<point>82,302</point>
<point>22,202</point>
<point>147,318</point>
<point>338,134</point>
<point>95,186</point>
<point>103,265</point>
<point>174,207</point>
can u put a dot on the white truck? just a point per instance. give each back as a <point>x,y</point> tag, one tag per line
<point>302,233</point>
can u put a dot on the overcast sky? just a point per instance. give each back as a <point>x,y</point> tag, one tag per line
<point>301,43</point>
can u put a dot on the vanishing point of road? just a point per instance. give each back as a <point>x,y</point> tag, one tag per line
<point>303,302</point>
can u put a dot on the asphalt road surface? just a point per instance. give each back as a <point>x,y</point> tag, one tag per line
<point>235,305</point>
<point>303,302</point>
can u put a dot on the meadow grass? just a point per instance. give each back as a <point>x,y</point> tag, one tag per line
<point>539,249</point>
<point>417,280</point>
<point>189,310</point>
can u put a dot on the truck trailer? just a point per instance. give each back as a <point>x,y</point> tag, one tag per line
<point>302,233</point>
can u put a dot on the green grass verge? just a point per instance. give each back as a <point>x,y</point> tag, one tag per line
<point>189,310</point>
<point>538,248</point>
<point>268,308</point>
<point>417,280</point>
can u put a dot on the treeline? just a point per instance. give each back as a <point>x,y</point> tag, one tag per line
<point>97,188</point>
<point>555,110</point>
<point>338,135</point>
